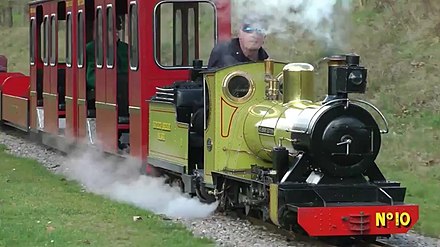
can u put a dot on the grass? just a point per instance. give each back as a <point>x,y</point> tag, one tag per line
<point>38,208</point>
<point>402,57</point>
<point>15,47</point>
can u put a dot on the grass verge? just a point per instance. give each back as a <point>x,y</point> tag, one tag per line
<point>38,208</point>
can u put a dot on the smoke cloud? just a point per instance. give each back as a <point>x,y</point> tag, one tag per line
<point>121,180</point>
<point>325,20</point>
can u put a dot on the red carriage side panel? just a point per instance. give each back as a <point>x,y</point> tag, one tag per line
<point>54,106</point>
<point>15,98</point>
<point>110,58</point>
<point>80,54</point>
<point>71,71</point>
<point>36,65</point>
<point>135,77</point>
<point>49,98</point>
<point>3,77</point>
<point>15,84</point>
<point>106,112</point>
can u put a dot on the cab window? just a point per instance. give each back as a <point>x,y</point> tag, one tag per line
<point>184,31</point>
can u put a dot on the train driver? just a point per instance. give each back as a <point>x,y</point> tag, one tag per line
<point>247,47</point>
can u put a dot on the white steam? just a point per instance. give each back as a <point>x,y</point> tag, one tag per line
<point>121,180</point>
<point>324,19</point>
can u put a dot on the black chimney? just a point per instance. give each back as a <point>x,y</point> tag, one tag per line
<point>334,62</point>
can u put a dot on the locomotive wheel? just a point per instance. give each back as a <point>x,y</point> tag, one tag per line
<point>224,199</point>
<point>232,199</point>
<point>174,181</point>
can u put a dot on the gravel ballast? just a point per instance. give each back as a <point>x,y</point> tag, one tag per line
<point>225,230</point>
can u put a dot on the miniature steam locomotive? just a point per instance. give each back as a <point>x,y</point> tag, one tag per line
<point>251,137</point>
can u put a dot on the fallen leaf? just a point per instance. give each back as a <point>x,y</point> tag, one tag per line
<point>417,64</point>
<point>50,229</point>
<point>137,218</point>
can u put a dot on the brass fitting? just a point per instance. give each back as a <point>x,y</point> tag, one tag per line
<point>272,84</point>
<point>298,82</point>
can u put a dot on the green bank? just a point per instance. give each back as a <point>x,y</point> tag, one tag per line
<point>38,208</point>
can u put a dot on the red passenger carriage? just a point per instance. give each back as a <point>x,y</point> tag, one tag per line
<point>58,81</point>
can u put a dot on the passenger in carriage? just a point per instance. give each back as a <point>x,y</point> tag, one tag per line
<point>3,64</point>
<point>247,47</point>
<point>121,56</point>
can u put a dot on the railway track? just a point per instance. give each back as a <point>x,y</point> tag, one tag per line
<point>381,243</point>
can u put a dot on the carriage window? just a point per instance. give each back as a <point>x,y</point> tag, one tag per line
<point>207,39</point>
<point>62,45</point>
<point>110,40</point>
<point>133,38</point>
<point>178,49</point>
<point>99,38</point>
<point>53,44</point>
<point>32,41</point>
<point>69,40</point>
<point>184,31</point>
<point>191,35</point>
<point>81,41</point>
<point>44,33</point>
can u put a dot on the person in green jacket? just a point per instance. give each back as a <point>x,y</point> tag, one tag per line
<point>121,56</point>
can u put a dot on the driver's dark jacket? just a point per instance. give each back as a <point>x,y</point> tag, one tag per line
<point>230,53</point>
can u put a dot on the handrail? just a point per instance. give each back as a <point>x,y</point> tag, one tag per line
<point>386,130</point>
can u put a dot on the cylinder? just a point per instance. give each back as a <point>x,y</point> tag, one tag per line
<point>280,161</point>
<point>3,64</point>
<point>298,82</point>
